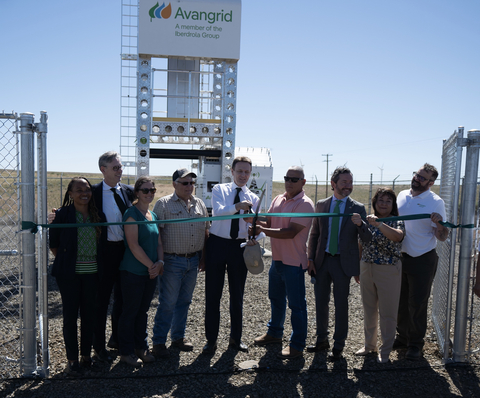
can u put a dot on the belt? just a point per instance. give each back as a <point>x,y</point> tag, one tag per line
<point>115,242</point>
<point>186,255</point>
<point>332,255</point>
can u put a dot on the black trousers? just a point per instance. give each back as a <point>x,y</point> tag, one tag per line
<point>109,280</point>
<point>224,254</point>
<point>417,278</point>
<point>77,294</point>
<point>137,292</point>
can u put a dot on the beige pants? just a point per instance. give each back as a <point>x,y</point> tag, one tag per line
<point>380,288</point>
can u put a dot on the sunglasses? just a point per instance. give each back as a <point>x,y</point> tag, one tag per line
<point>147,190</point>
<point>185,183</point>
<point>293,179</point>
<point>419,177</point>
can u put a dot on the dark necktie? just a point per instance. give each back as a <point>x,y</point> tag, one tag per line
<point>120,203</point>
<point>235,222</point>
<point>333,247</point>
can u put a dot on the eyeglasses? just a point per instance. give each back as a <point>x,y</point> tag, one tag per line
<point>116,168</point>
<point>147,190</point>
<point>293,179</point>
<point>185,183</point>
<point>419,177</point>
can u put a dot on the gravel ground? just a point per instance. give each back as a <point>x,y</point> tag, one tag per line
<point>258,373</point>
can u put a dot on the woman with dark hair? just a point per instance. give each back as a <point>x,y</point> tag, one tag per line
<point>141,264</point>
<point>381,275</point>
<point>75,268</point>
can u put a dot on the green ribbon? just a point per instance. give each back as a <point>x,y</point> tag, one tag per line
<point>33,227</point>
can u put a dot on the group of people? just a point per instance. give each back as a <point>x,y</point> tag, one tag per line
<point>394,261</point>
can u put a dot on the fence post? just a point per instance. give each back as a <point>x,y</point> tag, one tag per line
<point>468,217</point>
<point>28,243</point>
<point>42,239</point>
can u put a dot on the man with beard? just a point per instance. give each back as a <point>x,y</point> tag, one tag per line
<point>334,257</point>
<point>419,258</point>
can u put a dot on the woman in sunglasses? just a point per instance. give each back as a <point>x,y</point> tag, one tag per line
<point>141,264</point>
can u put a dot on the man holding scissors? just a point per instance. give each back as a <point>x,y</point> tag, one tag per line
<point>286,279</point>
<point>224,253</point>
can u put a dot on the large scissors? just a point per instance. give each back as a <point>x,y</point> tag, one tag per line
<point>255,218</point>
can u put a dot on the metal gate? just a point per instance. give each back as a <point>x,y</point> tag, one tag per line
<point>453,282</point>
<point>23,282</point>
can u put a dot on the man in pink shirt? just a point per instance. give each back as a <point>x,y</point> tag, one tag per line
<point>286,278</point>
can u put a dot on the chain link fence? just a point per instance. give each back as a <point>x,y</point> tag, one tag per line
<point>443,284</point>
<point>10,260</point>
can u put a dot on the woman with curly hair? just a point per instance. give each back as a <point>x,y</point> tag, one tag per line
<point>76,267</point>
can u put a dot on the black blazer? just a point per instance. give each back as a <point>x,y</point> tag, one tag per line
<point>128,197</point>
<point>65,241</point>
<point>349,233</point>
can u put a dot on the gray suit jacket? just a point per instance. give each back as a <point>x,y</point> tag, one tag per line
<point>349,233</point>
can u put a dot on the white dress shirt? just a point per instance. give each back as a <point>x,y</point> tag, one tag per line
<point>112,212</point>
<point>223,196</point>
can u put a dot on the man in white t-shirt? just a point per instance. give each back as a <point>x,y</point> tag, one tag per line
<point>419,258</point>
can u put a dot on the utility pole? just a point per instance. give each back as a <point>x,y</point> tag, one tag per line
<point>393,185</point>
<point>326,178</point>
<point>381,174</point>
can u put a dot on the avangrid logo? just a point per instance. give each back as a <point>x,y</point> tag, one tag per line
<point>160,12</point>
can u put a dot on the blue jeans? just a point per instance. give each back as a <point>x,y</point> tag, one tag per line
<point>176,287</point>
<point>286,281</point>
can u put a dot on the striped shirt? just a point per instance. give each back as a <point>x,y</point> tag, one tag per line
<point>86,247</point>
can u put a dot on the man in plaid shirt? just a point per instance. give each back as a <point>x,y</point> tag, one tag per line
<point>183,245</point>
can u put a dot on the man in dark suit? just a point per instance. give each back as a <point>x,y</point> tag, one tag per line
<point>334,257</point>
<point>111,199</point>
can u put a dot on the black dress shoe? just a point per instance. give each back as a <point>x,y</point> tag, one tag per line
<point>413,353</point>
<point>397,345</point>
<point>335,355</point>
<point>113,344</point>
<point>210,348</point>
<point>319,346</point>
<point>103,356</point>
<point>237,346</point>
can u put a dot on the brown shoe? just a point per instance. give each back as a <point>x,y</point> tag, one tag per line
<point>145,356</point>
<point>266,339</point>
<point>160,351</point>
<point>182,344</point>
<point>319,346</point>
<point>131,360</point>
<point>290,353</point>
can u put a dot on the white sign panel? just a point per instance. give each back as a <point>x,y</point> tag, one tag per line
<point>200,29</point>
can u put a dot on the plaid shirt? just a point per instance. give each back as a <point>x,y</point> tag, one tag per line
<point>184,237</point>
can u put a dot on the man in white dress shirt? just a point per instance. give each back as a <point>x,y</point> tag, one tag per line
<point>111,198</point>
<point>223,251</point>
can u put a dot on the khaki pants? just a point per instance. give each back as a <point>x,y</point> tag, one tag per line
<point>380,288</point>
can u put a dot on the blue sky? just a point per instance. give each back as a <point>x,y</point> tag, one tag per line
<point>374,83</point>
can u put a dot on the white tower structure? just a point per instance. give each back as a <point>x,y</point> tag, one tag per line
<point>185,78</point>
